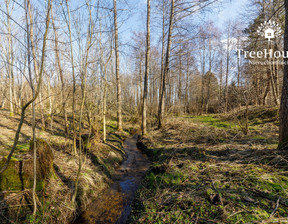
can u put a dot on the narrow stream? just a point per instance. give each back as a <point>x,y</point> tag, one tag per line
<point>113,204</point>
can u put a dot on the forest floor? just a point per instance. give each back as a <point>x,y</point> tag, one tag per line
<point>206,170</point>
<point>100,161</point>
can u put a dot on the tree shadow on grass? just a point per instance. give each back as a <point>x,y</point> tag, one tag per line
<point>96,162</point>
<point>114,147</point>
<point>67,181</point>
<point>26,137</point>
<point>237,184</point>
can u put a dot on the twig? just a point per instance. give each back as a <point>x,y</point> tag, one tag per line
<point>178,217</point>
<point>264,195</point>
<point>220,197</point>
<point>10,221</point>
<point>166,212</point>
<point>275,209</point>
<point>274,220</point>
<point>13,206</point>
<point>235,213</point>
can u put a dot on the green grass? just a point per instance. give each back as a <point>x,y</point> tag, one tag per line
<point>212,121</point>
<point>23,147</point>
<point>111,126</point>
<point>184,192</point>
<point>188,174</point>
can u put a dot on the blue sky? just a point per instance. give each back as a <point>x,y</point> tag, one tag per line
<point>230,11</point>
<point>220,14</point>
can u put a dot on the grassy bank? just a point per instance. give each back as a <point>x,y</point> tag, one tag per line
<point>54,205</point>
<point>206,170</point>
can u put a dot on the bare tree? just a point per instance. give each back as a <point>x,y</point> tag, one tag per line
<point>147,61</point>
<point>84,71</point>
<point>10,58</point>
<point>227,63</point>
<point>68,21</point>
<point>118,81</point>
<point>60,71</point>
<point>166,68</point>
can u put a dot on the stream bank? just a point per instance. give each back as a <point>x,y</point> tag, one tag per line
<point>113,204</point>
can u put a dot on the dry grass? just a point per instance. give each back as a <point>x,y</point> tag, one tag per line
<point>54,205</point>
<point>208,171</point>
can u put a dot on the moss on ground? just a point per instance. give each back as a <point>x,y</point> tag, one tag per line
<point>101,160</point>
<point>19,173</point>
<point>10,178</point>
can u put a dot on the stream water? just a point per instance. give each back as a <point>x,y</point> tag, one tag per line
<point>113,204</point>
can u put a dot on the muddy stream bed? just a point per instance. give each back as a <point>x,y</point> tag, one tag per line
<point>113,204</point>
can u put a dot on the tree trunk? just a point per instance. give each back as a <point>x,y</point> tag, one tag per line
<point>104,77</point>
<point>267,89</point>
<point>36,68</point>
<point>90,31</point>
<point>162,52</point>
<point>186,100</point>
<point>74,80</point>
<point>202,78</point>
<point>283,131</point>
<point>50,101</point>
<point>9,56</point>
<point>209,77</point>
<point>271,77</point>
<point>104,105</point>
<point>35,93</point>
<point>119,98</point>
<point>147,61</point>
<point>180,83</point>
<point>141,86</point>
<point>227,69</point>
<point>220,85</point>
<point>166,69</point>
<point>60,70</point>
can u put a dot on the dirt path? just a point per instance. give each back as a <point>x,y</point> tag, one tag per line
<point>113,205</point>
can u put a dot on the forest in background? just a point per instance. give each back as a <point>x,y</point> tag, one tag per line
<point>65,62</point>
<point>205,73</point>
